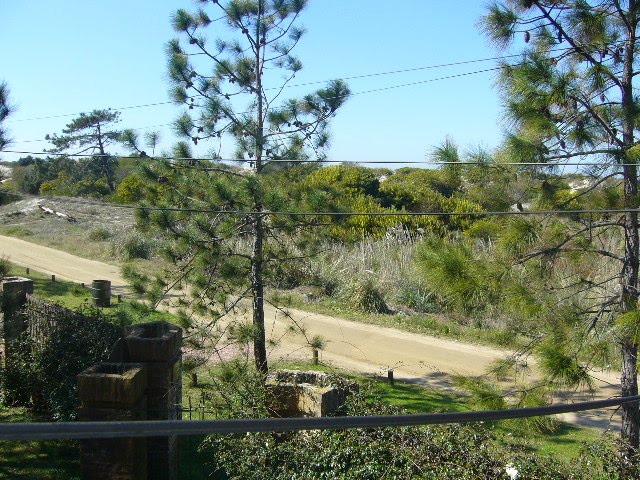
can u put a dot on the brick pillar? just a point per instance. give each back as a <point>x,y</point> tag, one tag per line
<point>157,345</point>
<point>111,392</point>
<point>14,295</point>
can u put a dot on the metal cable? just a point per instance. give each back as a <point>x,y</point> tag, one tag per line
<point>128,429</point>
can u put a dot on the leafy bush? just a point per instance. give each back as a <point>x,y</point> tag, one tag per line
<point>417,297</point>
<point>440,452</point>
<point>465,281</point>
<point>130,189</point>
<point>42,373</point>
<point>366,297</point>
<point>132,245</point>
<point>100,234</point>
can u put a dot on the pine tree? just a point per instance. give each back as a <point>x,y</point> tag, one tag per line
<point>235,88</point>
<point>572,96</point>
<point>91,134</point>
<point>5,110</point>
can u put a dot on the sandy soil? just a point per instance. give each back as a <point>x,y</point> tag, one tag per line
<point>352,346</point>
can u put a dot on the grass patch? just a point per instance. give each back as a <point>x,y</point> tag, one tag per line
<point>74,297</point>
<point>16,231</point>
<point>69,294</point>
<point>50,460</point>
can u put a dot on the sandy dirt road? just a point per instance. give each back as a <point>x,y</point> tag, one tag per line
<point>351,345</point>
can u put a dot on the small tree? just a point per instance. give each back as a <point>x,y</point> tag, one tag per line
<point>234,90</point>
<point>91,134</point>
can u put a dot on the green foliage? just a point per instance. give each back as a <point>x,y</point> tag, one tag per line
<point>447,452</point>
<point>416,190</point>
<point>518,235</point>
<point>132,245</point>
<point>31,173</point>
<point>364,296</point>
<point>627,326</point>
<point>484,229</point>
<point>44,369</point>
<point>224,255</point>
<point>91,133</point>
<point>100,234</point>
<point>604,459</point>
<point>467,283</point>
<point>415,295</point>
<point>484,395</point>
<point>6,108</point>
<point>345,180</point>
<point>130,189</point>
<point>563,368</point>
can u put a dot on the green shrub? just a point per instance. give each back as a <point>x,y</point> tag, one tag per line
<point>100,234</point>
<point>484,230</point>
<point>42,373</point>
<point>366,297</point>
<point>133,245</point>
<point>16,231</point>
<point>438,452</point>
<point>130,189</point>
<point>417,297</point>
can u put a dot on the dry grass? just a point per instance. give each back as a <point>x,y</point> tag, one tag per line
<point>23,219</point>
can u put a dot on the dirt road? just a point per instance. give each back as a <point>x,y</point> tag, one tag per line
<point>352,346</point>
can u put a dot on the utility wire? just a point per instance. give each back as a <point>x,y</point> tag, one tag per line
<point>353,77</point>
<point>236,160</point>
<point>375,90</point>
<point>540,164</point>
<point>292,213</point>
<point>129,429</point>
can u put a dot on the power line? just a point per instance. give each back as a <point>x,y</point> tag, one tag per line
<point>448,77</point>
<point>353,77</point>
<point>128,429</point>
<point>540,164</point>
<point>236,160</point>
<point>292,213</point>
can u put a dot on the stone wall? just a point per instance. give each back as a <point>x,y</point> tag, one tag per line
<point>292,393</point>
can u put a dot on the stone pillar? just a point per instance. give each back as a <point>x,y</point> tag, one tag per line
<point>14,291</point>
<point>112,392</point>
<point>157,345</point>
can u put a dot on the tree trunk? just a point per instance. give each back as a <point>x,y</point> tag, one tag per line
<point>104,162</point>
<point>257,290</point>
<point>257,286</point>
<point>629,377</point>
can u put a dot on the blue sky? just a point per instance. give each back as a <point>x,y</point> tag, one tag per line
<point>67,57</point>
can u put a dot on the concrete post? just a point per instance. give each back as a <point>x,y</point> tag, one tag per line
<point>157,345</point>
<point>111,392</point>
<point>14,295</point>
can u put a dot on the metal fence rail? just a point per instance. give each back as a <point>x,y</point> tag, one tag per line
<point>93,430</point>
